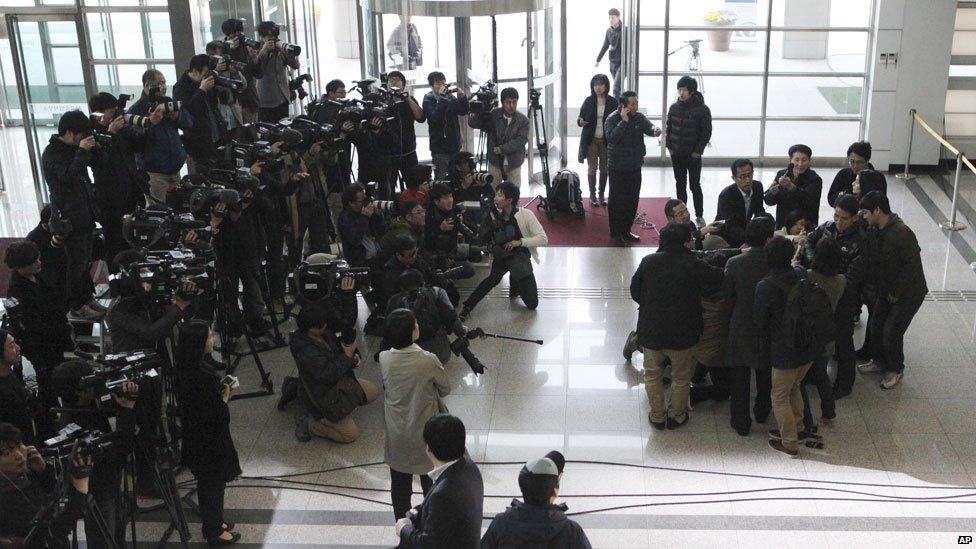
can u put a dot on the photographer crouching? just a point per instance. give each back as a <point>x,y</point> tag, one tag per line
<point>434,313</point>
<point>161,155</point>
<point>443,227</point>
<point>514,235</point>
<point>27,512</point>
<point>361,225</point>
<point>80,391</point>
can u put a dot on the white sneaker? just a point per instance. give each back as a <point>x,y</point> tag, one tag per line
<point>869,367</point>
<point>700,221</point>
<point>87,314</point>
<point>891,379</point>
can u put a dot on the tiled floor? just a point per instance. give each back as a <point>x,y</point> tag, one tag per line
<point>700,486</point>
<point>889,457</point>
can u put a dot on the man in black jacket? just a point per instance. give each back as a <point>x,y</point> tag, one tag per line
<point>199,114</point>
<point>612,42</point>
<point>120,186</point>
<point>538,522</point>
<point>894,250</point>
<point>53,256</point>
<point>849,235</point>
<point>237,50</point>
<point>408,113</point>
<point>668,287</point>
<point>442,111</point>
<point>38,322</point>
<point>625,131</point>
<point>796,188</point>
<point>14,407</point>
<point>64,164</point>
<point>450,516</point>
<point>739,202</point>
<point>689,129</point>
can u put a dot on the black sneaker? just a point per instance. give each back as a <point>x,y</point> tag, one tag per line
<point>674,424</point>
<point>289,392</point>
<point>464,314</point>
<point>777,445</point>
<point>659,425</point>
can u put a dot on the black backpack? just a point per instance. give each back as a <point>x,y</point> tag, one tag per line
<point>566,195</point>
<point>808,318</point>
<point>423,303</point>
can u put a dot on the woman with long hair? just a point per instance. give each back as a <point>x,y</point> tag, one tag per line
<point>208,450</point>
<point>593,143</point>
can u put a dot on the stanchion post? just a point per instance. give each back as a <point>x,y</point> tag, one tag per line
<point>952,224</point>
<point>908,156</point>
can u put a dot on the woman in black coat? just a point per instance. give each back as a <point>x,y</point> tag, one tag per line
<point>593,143</point>
<point>858,160</point>
<point>208,450</point>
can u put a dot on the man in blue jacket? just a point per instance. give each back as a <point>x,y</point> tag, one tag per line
<point>162,155</point>
<point>442,112</point>
<point>625,131</point>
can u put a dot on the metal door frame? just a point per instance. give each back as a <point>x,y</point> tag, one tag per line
<point>44,14</point>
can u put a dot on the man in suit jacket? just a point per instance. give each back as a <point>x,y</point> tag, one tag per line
<point>739,202</point>
<point>450,516</point>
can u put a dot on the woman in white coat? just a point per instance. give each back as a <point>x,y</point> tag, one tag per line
<point>415,382</point>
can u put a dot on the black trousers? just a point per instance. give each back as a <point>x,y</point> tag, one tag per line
<point>114,239</point>
<point>718,390</point>
<point>400,167</point>
<point>844,339</point>
<point>78,247</point>
<point>210,494</point>
<point>889,322</point>
<point>740,385</point>
<point>687,170</point>
<point>526,286</point>
<point>817,376</point>
<point>625,189</point>
<point>273,114</point>
<point>401,489</point>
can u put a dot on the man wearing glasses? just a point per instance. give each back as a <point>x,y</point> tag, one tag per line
<point>410,222</point>
<point>738,203</point>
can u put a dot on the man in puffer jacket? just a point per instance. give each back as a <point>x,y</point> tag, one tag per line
<point>538,521</point>
<point>689,129</point>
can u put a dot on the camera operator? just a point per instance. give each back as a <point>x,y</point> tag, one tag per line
<point>408,112</point>
<point>514,234</point>
<point>442,111</point>
<point>508,135</point>
<point>26,484</point>
<point>469,187</point>
<point>375,146</point>
<point>14,404</point>
<point>443,225</point>
<point>236,48</point>
<point>105,482</point>
<point>64,164</point>
<point>405,256</point>
<point>39,322</point>
<point>360,226</point>
<point>162,155</point>
<point>312,202</point>
<point>52,255</point>
<point>274,94</point>
<point>231,112</point>
<point>410,222</point>
<point>239,259</point>
<point>435,314</point>
<point>199,114</point>
<point>120,187</point>
<point>338,166</point>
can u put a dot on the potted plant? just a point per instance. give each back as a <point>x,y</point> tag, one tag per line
<point>718,40</point>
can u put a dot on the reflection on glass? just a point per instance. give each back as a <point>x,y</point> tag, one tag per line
<point>725,95</point>
<point>814,96</point>
<point>746,14</point>
<point>797,51</point>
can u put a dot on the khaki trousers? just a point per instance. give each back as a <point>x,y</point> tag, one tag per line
<point>511,174</point>
<point>788,403</point>
<point>682,367</point>
<point>159,182</point>
<point>345,430</point>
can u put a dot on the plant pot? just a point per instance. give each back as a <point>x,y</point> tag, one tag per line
<point>718,40</point>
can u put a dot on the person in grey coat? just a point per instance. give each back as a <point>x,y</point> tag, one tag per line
<point>415,382</point>
<point>742,274</point>
<point>274,95</point>
<point>508,135</point>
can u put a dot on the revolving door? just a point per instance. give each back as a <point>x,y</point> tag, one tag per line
<point>516,43</point>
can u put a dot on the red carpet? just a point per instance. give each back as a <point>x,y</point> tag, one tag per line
<point>594,230</point>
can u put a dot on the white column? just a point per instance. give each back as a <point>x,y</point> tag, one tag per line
<point>344,31</point>
<point>805,13</point>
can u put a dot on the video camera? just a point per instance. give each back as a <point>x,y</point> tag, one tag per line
<point>485,98</point>
<point>315,282</point>
<point>313,132</point>
<point>146,227</point>
<point>197,199</point>
<point>114,371</point>
<point>246,154</point>
<point>360,112</point>
<point>164,273</point>
<point>72,440</point>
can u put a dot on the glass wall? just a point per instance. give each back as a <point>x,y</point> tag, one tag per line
<point>773,72</point>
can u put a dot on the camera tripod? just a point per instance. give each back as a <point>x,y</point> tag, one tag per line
<point>693,64</point>
<point>542,147</point>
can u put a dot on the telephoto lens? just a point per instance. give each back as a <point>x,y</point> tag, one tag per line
<point>169,107</point>
<point>290,49</point>
<point>483,178</point>
<point>136,120</point>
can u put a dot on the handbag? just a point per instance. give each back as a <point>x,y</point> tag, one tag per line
<point>339,400</point>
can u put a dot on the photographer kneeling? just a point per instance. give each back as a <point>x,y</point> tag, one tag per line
<point>470,186</point>
<point>514,234</point>
<point>106,477</point>
<point>27,488</point>
<point>360,226</point>
<point>433,310</point>
<point>444,225</point>
<point>328,388</point>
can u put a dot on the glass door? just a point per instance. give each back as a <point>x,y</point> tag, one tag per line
<point>47,59</point>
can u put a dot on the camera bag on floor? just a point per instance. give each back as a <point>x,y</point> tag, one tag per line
<point>565,195</point>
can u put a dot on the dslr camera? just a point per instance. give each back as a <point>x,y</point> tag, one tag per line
<point>297,85</point>
<point>238,35</point>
